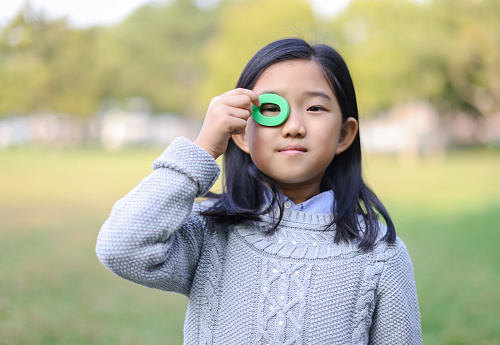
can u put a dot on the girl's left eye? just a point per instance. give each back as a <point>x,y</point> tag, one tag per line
<point>315,108</point>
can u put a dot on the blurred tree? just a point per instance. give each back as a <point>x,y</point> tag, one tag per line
<point>400,51</point>
<point>178,55</point>
<point>243,28</point>
<point>385,44</point>
<point>76,74</point>
<point>472,55</point>
<point>156,53</point>
<point>46,66</point>
<point>23,74</point>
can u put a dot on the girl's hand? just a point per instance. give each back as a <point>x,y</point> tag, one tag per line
<point>227,114</point>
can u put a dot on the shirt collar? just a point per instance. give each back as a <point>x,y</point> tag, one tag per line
<point>321,203</point>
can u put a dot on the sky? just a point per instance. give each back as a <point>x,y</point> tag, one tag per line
<point>85,13</point>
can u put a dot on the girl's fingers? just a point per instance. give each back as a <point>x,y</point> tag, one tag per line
<point>227,114</point>
<point>254,98</point>
<point>237,126</point>
<point>252,95</point>
<point>243,114</point>
<point>239,102</point>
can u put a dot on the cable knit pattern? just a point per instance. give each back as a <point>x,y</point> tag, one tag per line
<point>245,287</point>
<point>304,239</point>
<point>282,304</point>
<point>212,293</point>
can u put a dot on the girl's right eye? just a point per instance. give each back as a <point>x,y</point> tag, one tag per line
<point>270,109</point>
<point>315,108</point>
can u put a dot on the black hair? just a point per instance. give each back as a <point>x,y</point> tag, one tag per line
<point>244,184</point>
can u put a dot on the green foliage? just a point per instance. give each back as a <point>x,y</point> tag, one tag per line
<point>178,56</point>
<point>472,60</point>
<point>401,51</point>
<point>46,66</point>
<point>244,28</point>
<point>156,53</point>
<point>382,41</point>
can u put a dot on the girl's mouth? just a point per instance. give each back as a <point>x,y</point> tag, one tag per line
<point>293,150</point>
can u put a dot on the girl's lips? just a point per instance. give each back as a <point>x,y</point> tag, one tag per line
<point>293,149</point>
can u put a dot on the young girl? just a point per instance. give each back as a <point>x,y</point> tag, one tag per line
<point>292,251</point>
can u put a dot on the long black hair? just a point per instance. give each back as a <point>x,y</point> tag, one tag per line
<point>243,196</point>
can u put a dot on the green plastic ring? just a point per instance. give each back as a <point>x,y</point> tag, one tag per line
<point>271,120</point>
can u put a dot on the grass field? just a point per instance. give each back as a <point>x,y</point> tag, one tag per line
<point>53,290</point>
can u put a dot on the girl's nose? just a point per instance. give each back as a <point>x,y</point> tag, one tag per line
<point>294,126</point>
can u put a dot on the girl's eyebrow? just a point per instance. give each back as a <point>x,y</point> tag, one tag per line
<point>307,93</point>
<point>269,91</point>
<point>319,94</point>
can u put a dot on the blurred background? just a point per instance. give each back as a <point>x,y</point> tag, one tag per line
<point>91,94</point>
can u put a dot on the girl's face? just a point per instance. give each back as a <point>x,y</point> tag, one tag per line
<point>297,153</point>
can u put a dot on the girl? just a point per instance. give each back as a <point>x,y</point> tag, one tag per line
<point>292,251</point>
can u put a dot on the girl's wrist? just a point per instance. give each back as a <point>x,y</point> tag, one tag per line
<point>201,143</point>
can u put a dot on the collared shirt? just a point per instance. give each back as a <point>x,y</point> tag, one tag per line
<point>318,204</point>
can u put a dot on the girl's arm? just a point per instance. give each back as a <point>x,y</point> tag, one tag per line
<point>396,318</point>
<point>153,236</point>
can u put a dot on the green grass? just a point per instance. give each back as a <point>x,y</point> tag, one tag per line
<point>55,291</point>
<point>448,213</point>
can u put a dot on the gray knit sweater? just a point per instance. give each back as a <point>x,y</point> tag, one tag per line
<point>293,287</point>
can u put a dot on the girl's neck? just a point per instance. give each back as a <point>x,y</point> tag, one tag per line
<point>299,193</point>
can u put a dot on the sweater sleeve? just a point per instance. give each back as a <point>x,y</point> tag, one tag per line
<point>153,235</point>
<point>396,318</point>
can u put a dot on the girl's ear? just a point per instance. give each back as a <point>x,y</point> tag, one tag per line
<point>347,134</point>
<point>241,141</point>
